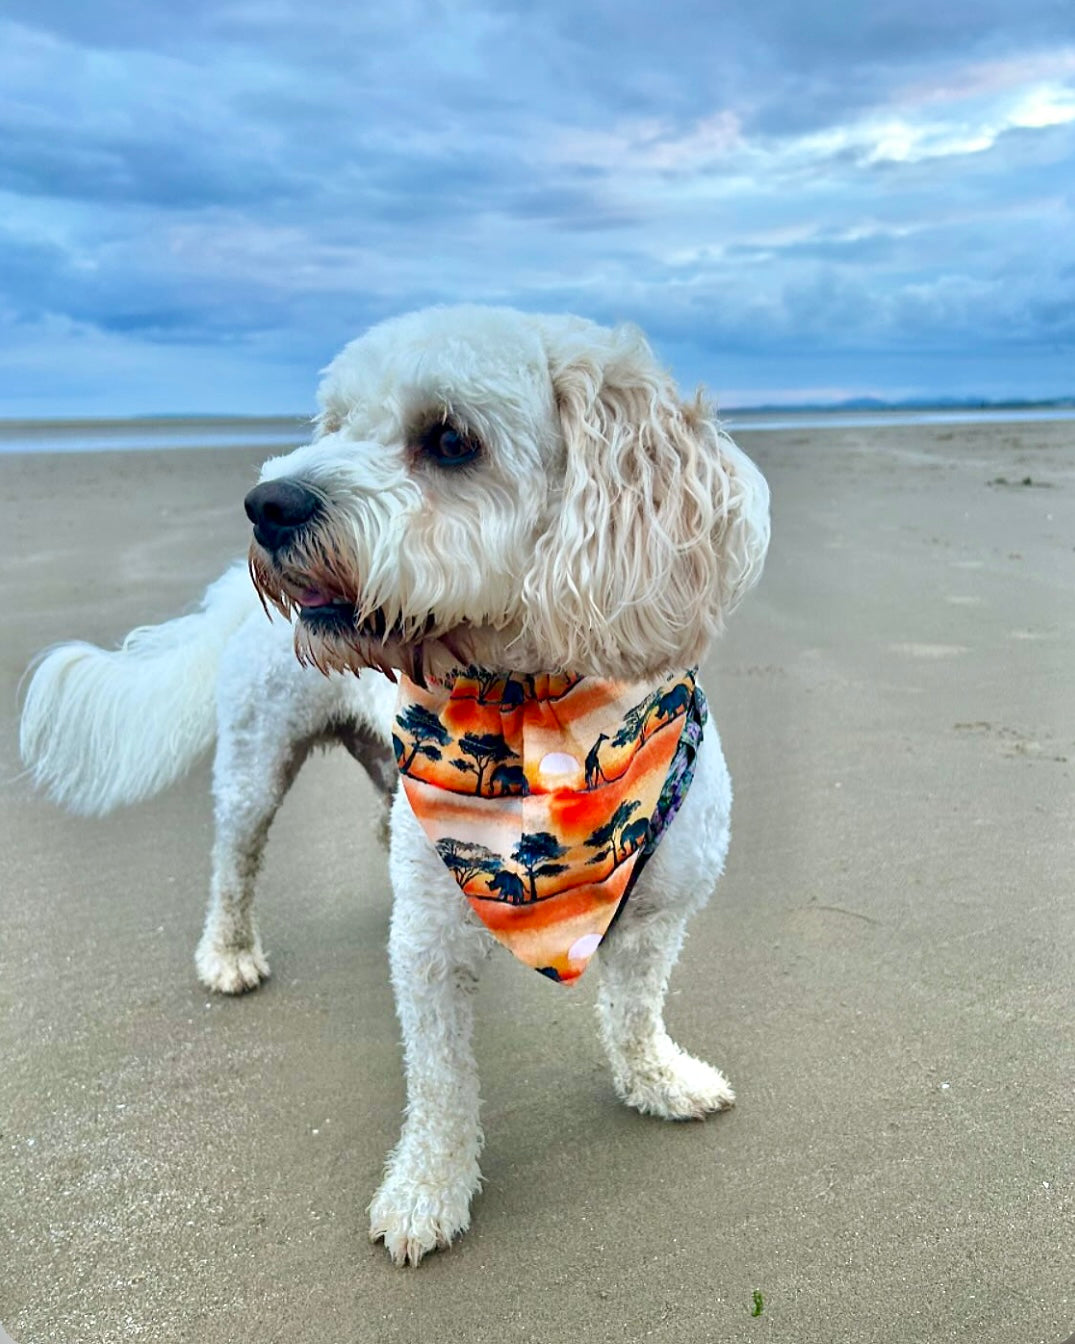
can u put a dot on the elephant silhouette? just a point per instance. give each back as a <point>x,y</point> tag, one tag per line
<point>510,885</point>
<point>677,699</point>
<point>514,693</point>
<point>509,779</point>
<point>634,836</point>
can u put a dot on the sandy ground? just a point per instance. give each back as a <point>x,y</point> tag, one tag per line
<point>886,972</point>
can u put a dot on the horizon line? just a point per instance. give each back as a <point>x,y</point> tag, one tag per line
<point>863,403</point>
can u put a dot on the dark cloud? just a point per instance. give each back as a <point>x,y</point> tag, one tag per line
<point>770,182</point>
<point>174,173</point>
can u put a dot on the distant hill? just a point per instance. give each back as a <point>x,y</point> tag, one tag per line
<point>908,404</point>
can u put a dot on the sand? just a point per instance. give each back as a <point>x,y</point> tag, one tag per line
<point>886,971</point>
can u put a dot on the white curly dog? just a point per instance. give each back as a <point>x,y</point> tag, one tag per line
<point>483,487</point>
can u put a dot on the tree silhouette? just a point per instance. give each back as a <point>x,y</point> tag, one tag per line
<point>484,750</point>
<point>466,859</point>
<point>609,838</point>
<point>532,851</point>
<point>486,681</point>
<point>425,730</point>
<point>636,720</point>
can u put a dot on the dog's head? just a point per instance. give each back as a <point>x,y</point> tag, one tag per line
<point>519,492</point>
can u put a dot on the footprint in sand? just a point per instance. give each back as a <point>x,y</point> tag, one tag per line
<point>756,670</point>
<point>1011,741</point>
<point>929,650</point>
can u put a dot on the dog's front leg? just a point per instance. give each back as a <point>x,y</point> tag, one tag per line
<point>252,772</point>
<point>649,1070</point>
<point>435,954</point>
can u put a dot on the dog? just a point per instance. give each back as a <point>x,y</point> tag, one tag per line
<point>485,493</point>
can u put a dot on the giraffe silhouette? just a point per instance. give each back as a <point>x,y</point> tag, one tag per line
<point>593,763</point>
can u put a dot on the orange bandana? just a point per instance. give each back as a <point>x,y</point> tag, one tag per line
<point>545,795</point>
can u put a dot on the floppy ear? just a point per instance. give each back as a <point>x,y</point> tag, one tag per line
<point>661,524</point>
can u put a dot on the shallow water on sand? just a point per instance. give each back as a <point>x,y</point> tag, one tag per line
<point>283,432</point>
<point>91,436</point>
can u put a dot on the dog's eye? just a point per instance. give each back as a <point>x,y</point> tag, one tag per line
<point>449,446</point>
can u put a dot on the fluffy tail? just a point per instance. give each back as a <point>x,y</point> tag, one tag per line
<point>103,729</point>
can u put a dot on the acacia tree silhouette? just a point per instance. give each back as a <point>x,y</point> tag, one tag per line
<point>484,750</point>
<point>466,859</point>
<point>486,681</point>
<point>609,839</point>
<point>427,734</point>
<point>532,851</point>
<point>636,720</point>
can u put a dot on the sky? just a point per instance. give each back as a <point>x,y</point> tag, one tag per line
<point>201,202</point>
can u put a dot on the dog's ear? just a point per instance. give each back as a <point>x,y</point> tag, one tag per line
<point>660,525</point>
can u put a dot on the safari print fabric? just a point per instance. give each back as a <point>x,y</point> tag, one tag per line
<point>543,795</point>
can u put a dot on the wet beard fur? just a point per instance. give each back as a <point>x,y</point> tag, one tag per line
<point>341,637</point>
<point>337,649</point>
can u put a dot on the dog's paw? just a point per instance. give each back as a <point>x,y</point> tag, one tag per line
<point>414,1216</point>
<point>230,970</point>
<point>676,1087</point>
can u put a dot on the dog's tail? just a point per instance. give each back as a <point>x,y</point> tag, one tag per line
<point>103,729</point>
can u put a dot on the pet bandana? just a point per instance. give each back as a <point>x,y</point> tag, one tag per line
<point>546,795</point>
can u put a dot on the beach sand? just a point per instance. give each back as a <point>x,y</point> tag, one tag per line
<point>886,971</point>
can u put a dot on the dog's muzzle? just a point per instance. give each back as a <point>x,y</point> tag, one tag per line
<point>279,510</point>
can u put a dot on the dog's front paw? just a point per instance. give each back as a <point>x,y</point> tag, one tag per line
<point>675,1086</point>
<point>414,1213</point>
<point>230,970</point>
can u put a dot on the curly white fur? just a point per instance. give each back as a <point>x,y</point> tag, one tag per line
<point>608,527</point>
<point>102,730</point>
<point>603,526</point>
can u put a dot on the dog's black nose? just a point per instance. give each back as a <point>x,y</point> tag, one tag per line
<point>278,509</point>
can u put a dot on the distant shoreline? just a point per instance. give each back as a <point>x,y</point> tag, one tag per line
<point>277,433</point>
<point>776,419</point>
<point>143,433</point>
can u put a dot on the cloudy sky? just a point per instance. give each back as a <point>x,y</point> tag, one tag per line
<point>200,202</point>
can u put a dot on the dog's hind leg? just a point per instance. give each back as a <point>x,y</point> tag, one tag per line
<point>649,1070</point>
<point>252,772</point>
<point>435,951</point>
<point>369,750</point>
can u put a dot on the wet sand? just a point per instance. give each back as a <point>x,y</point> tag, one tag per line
<point>886,972</point>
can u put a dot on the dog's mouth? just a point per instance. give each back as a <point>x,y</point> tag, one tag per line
<point>325,611</point>
<point>335,632</point>
<point>322,615</point>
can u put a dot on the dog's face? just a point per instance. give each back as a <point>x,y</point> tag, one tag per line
<point>518,492</point>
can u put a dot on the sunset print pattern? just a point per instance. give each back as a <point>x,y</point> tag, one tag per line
<point>537,793</point>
